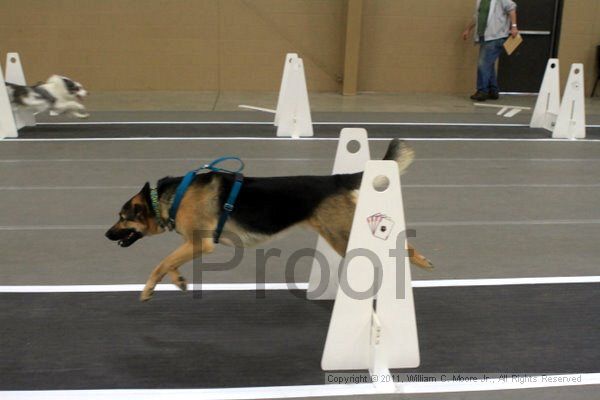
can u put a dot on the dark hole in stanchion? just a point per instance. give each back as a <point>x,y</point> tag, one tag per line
<point>13,60</point>
<point>353,146</point>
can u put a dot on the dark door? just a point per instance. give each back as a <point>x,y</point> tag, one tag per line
<point>539,23</point>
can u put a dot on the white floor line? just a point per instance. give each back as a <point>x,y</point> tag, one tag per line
<point>411,224</point>
<point>552,280</point>
<point>130,160</point>
<point>165,287</point>
<point>504,185</point>
<point>410,186</point>
<point>512,159</point>
<point>328,160</point>
<point>512,223</point>
<point>53,227</point>
<point>539,381</point>
<point>93,123</point>
<point>277,139</point>
<point>305,391</point>
<point>466,124</point>
<point>475,124</point>
<point>14,188</point>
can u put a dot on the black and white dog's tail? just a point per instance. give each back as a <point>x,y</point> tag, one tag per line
<point>400,152</point>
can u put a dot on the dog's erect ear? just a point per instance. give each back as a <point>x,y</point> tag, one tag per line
<point>145,193</point>
<point>146,189</point>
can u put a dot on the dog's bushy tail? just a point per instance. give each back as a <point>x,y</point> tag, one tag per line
<point>401,152</point>
<point>398,151</point>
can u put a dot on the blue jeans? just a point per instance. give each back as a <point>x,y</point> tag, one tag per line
<point>486,67</point>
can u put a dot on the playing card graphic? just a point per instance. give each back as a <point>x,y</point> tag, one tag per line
<point>381,225</point>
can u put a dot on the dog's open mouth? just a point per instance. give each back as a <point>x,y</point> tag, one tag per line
<point>128,240</point>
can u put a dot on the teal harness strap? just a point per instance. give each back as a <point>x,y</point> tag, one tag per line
<point>181,189</point>
<point>227,207</point>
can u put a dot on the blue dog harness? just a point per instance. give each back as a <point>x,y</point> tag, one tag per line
<point>229,204</point>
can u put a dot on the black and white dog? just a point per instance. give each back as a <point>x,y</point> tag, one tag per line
<point>58,95</point>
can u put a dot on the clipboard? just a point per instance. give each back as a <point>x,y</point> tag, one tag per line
<point>512,43</point>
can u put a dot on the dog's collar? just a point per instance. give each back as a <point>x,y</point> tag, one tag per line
<point>156,207</point>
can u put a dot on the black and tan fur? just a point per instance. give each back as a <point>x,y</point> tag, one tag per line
<point>265,207</point>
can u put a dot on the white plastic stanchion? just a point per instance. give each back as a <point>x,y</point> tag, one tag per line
<point>359,336</point>
<point>283,88</point>
<point>294,112</point>
<point>351,156</point>
<point>547,105</point>
<point>570,123</point>
<point>292,116</point>
<point>8,127</point>
<point>14,74</point>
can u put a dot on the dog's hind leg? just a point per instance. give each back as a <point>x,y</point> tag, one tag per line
<point>339,241</point>
<point>418,259</point>
<point>186,252</point>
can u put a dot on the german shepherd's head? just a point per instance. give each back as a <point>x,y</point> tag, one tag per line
<point>136,219</point>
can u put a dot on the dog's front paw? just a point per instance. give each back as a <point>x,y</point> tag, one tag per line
<point>147,294</point>
<point>423,262</point>
<point>53,113</point>
<point>181,283</point>
<point>81,115</point>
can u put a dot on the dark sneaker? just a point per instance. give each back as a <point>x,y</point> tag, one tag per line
<point>493,95</point>
<point>480,96</point>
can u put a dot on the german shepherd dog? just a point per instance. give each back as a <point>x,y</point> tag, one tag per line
<point>265,207</point>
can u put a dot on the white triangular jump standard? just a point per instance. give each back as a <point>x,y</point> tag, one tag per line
<point>547,105</point>
<point>292,116</point>
<point>294,110</point>
<point>15,74</point>
<point>8,127</point>
<point>283,88</point>
<point>359,336</point>
<point>570,123</point>
<point>351,156</point>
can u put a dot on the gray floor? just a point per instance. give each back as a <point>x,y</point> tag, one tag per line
<point>481,210</point>
<point>228,339</point>
<point>375,107</point>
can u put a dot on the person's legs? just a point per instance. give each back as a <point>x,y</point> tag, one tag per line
<point>493,53</point>
<point>483,77</point>
<point>486,67</point>
<point>482,73</point>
